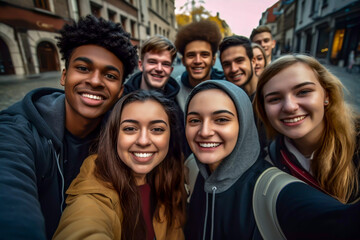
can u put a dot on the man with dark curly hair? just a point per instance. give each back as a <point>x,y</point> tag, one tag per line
<point>45,137</point>
<point>198,43</point>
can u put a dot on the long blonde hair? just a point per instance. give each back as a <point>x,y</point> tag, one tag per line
<point>333,165</point>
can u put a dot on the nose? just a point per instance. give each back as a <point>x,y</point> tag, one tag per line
<point>143,138</point>
<point>234,67</point>
<point>206,129</point>
<point>95,79</point>
<point>159,67</point>
<point>197,58</point>
<point>290,105</point>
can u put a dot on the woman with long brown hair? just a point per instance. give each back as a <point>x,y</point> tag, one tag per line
<point>303,108</point>
<point>134,187</point>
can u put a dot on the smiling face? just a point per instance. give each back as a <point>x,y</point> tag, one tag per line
<point>144,136</point>
<point>294,103</point>
<point>212,126</point>
<point>156,68</point>
<point>259,61</point>
<point>265,40</point>
<point>92,83</point>
<point>198,60</point>
<point>237,65</point>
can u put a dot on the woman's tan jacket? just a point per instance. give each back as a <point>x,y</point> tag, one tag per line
<point>93,210</point>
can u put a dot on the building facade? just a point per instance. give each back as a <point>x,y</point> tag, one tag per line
<point>28,28</point>
<point>328,29</point>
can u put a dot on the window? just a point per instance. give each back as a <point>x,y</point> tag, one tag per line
<point>43,4</point>
<point>148,29</point>
<point>150,3</point>
<point>312,7</point>
<point>155,29</point>
<point>166,10</point>
<point>325,3</point>
<point>123,22</point>
<point>133,29</point>
<point>111,15</point>
<point>302,11</point>
<point>75,8</point>
<point>95,9</point>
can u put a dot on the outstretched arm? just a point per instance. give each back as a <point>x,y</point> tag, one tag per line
<point>306,213</point>
<point>20,211</point>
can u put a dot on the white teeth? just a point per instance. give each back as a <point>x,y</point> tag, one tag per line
<point>143,155</point>
<point>294,120</point>
<point>238,76</point>
<point>209,145</point>
<point>92,96</point>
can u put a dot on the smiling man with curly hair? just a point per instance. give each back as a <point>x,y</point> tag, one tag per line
<point>198,43</point>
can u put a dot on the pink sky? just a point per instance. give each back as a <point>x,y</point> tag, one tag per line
<point>241,15</point>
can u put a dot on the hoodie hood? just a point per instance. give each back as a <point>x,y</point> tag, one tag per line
<point>247,148</point>
<point>170,91</point>
<point>45,109</point>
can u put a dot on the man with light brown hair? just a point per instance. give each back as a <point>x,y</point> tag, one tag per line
<point>262,36</point>
<point>155,64</point>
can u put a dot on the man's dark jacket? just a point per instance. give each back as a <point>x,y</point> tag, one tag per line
<point>31,165</point>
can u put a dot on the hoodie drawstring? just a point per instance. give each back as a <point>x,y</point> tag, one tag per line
<point>206,213</point>
<point>57,157</point>
<point>212,213</point>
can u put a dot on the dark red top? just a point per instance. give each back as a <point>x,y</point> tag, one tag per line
<point>146,210</point>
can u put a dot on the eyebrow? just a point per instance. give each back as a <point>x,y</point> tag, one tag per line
<point>294,88</point>
<point>214,113</point>
<point>137,122</point>
<point>89,61</point>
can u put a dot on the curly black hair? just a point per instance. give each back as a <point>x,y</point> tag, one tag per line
<point>204,30</point>
<point>98,31</point>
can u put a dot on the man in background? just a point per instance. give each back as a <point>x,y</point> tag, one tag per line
<point>198,43</point>
<point>262,36</point>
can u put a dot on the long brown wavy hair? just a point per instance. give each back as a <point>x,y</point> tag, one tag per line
<point>166,180</point>
<point>333,164</point>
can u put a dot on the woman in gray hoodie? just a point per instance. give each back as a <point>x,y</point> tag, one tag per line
<point>221,132</point>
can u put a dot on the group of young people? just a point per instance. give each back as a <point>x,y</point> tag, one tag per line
<point>187,158</point>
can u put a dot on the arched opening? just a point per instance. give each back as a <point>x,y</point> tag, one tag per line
<point>47,57</point>
<point>6,65</point>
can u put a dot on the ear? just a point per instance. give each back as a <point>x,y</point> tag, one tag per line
<point>213,60</point>
<point>63,77</point>
<point>140,65</point>
<point>326,100</point>
<point>253,61</point>
<point>121,90</point>
<point>273,43</point>
<point>172,68</point>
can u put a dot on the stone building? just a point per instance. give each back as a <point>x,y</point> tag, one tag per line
<point>28,28</point>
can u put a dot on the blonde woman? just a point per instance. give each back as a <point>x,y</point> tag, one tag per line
<point>315,134</point>
<point>259,59</point>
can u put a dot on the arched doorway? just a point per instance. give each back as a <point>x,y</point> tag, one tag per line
<point>6,65</point>
<point>47,57</point>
